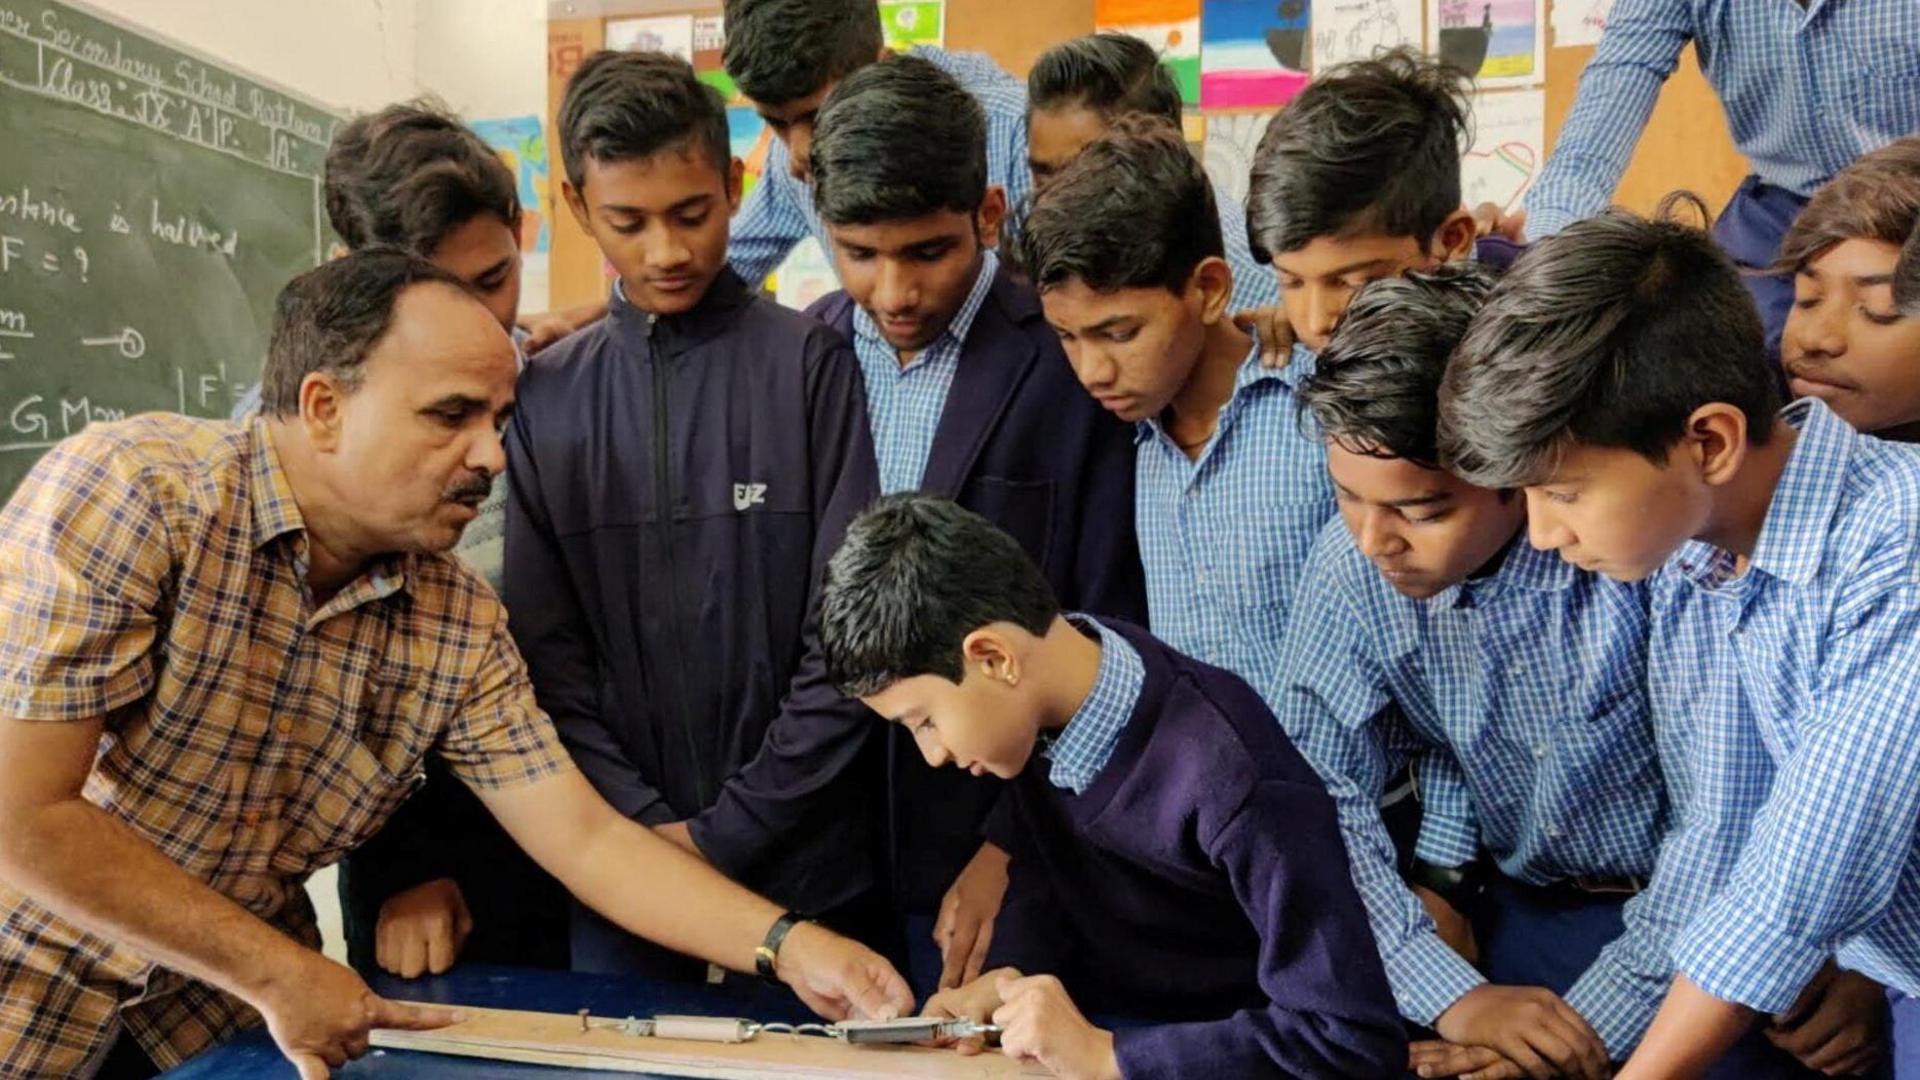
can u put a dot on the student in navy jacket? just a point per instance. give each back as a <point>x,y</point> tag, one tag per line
<point>680,471</point>
<point>1173,857</point>
<point>970,397</point>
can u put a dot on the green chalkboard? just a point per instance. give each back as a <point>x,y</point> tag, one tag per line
<point>152,204</point>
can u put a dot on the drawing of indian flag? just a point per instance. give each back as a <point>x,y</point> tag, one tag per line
<point>1172,27</point>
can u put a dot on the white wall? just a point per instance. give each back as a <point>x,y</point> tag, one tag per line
<point>348,54</point>
<point>485,58</point>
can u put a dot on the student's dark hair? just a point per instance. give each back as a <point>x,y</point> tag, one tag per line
<point>329,318</point>
<point>898,139</point>
<point>1875,198</point>
<point>410,174</point>
<point>625,106</point>
<point>1110,73</point>
<point>915,575</point>
<point>1375,388</point>
<point>1372,145</point>
<point>1609,334</point>
<point>1133,210</point>
<point>1906,275</point>
<point>783,50</point>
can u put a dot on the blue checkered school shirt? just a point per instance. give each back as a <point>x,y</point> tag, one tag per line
<point>1254,286</point>
<point>1823,634</point>
<point>778,213</point>
<point>1522,696</point>
<point>1805,90</point>
<point>1223,539</point>
<point>1084,746</point>
<point>904,403</point>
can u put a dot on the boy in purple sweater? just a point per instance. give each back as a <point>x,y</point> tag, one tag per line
<point>1173,857</point>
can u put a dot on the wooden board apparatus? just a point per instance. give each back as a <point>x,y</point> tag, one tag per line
<point>536,1038</point>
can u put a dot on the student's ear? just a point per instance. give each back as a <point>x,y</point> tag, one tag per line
<point>736,179</point>
<point>993,214</point>
<point>1453,240</point>
<point>1212,285</point>
<point>1716,437</point>
<point>319,399</point>
<point>576,203</point>
<point>989,653</point>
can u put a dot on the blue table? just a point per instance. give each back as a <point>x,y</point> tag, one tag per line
<point>253,1056</point>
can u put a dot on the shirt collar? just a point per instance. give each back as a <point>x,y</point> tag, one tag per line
<point>1086,743</point>
<point>1800,515</point>
<point>1522,566</point>
<point>955,335</point>
<point>275,513</point>
<point>1250,373</point>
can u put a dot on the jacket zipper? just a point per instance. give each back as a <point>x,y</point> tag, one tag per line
<point>663,514</point>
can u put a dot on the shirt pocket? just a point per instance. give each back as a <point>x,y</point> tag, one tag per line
<point>1023,509</point>
<point>1884,85</point>
<point>1267,547</point>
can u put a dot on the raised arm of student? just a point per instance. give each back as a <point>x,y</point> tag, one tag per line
<point>555,638</point>
<point>770,220</point>
<point>1618,89</point>
<point>1823,863</point>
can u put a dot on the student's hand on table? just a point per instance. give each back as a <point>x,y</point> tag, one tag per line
<point>1531,1027</point>
<point>680,836</point>
<point>838,977</point>
<point>320,1013</point>
<point>422,929</point>
<point>976,1000</point>
<point>1270,325</point>
<point>1438,1057</point>
<point>1040,1023</point>
<point>1838,1026</point>
<point>965,926</point>
<point>1453,927</point>
<point>1490,220</point>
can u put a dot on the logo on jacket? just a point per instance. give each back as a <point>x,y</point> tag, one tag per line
<point>746,496</point>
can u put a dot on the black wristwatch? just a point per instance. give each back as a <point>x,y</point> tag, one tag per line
<point>765,957</point>
<point>1457,885</point>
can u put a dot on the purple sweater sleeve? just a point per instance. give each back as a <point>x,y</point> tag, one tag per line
<point>1329,1011</point>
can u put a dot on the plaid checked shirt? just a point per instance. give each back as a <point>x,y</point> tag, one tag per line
<point>904,403</point>
<point>778,213</point>
<point>1223,539</point>
<point>1522,695</point>
<point>152,573</point>
<point>1255,286</point>
<point>1816,740</point>
<point>1084,746</point>
<point>1806,90</point>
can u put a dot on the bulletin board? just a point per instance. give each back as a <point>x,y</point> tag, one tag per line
<point>1686,144</point>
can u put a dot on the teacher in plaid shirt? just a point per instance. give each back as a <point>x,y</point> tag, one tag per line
<point>225,652</point>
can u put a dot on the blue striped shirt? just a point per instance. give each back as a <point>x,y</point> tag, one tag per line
<point>1223,538</point>
<point>1805,91</point>
<point>904,403</point>
<point>1522,697</point>
<point>1084,746</point>
<point>1817,737</point>
<point>779,212</point>
<point>1254,286</point>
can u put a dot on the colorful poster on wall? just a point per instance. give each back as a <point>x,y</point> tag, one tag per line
<point>1346,30</point>
<point>522,144</point>
<point>748,134</point>
<point>907,23</point>
<point>1172,27</point>
<point>1499,42</point>
<point>1579,22</point>
<point>1509,147</point>
<point>805,277</point>
<point>671,34</point>
<point>1253,53</point>
<point>709,37</point>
